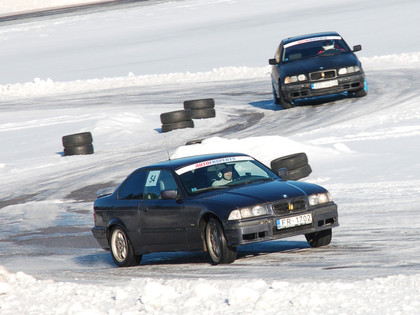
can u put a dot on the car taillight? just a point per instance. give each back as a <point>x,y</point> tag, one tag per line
<point>94,217</point>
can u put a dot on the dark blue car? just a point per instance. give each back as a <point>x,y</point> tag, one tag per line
<point>315,65</point>
<point>212,203</point>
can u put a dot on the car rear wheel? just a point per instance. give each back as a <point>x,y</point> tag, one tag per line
<point>216,243</point>
<point>318,239</point>
<point>121,249</point>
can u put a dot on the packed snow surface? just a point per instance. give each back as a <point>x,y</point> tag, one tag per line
<point>8,7</point>
<point>113,72</point>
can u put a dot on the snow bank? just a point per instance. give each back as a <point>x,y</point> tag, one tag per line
<point>8,7</point>
<point>395,61</point>
<point>41,87</point>
<point>4,281</point>
<point>46,86</point>
<point>391,295</point>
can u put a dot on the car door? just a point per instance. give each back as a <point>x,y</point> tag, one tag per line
<point>128,207</point>
<point>162,220</point>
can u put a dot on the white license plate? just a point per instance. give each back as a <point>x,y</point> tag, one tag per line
<point>324,85</point>
<point>294,221</point>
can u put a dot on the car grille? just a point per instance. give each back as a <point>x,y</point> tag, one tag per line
<point>289,206</point>
<point>323,75</point>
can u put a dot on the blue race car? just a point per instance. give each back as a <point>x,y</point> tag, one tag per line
<point>315,65</point>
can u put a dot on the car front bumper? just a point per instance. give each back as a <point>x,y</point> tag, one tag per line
<point>265,228</point>
<point>349,83</point>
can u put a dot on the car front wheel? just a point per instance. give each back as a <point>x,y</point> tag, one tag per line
<point>121,249</point>
<point>281,101</point>
<point>318,239</point>
<point>275,96</point>
<point>219,251</point>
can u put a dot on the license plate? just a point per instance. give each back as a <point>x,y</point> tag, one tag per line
<point>324,85</point>
<point>294,221</point>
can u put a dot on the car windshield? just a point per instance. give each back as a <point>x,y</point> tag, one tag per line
<point>313,47</point>
<point>223,173</point>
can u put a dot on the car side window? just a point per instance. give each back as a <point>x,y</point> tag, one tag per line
<point>132,188</point>
<point>158,181</point>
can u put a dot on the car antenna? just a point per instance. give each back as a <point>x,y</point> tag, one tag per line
<point>167,149</point>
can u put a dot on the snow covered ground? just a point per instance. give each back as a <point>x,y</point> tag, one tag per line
<point>8,7</point>
<point>114,72</point>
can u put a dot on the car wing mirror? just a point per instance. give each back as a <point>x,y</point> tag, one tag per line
<point>357,48</point>
<point>169,194</point>
<point>283,173</point>
<point>272,62</point>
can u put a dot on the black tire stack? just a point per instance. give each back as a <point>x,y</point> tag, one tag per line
<point>176,120</point>
<point>78,144</point>
<point>193,109</point>
<point>296,164</point>
<point>203,108</point>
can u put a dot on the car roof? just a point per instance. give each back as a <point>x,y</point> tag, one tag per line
<point>300,37</point>
<point>181,162</point>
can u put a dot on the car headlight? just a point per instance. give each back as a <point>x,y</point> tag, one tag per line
<point>347,70</point>
<point>321,198</point>
<point>248,212</point>
<point>295,78</point>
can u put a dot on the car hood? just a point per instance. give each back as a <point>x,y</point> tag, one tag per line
<point>318,63</point>
<point>243,196</point>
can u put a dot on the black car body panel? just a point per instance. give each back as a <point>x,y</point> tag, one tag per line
<point>155,224</point>
<point>309,71</point>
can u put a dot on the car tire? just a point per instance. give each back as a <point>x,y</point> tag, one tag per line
<point>216,243</point>
<point>177,125</point>
<point>275,96</point>
<point>318,239</point>
<point>299,172</point>
<point>79,150</point>
<point>290,162</point>
<point>360,93</point>
<point>175,116</point>
<point>121,249</point>
<point>203,113</point>
<point>77,139</point>
<point>199,104</point>
<point>285,104</point>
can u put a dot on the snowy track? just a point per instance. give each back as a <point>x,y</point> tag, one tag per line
<point>364,246</point>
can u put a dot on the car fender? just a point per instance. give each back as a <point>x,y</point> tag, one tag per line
<point>115,222</point>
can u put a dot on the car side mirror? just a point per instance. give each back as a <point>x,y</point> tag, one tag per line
<point>272,62</point>
<point>283,173</point>
<point>169,194</point>
<point>357,48</point>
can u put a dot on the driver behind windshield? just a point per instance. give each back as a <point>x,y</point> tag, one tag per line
<point>227,177</point>
<point>326,45</point>
<point>329,45</point>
